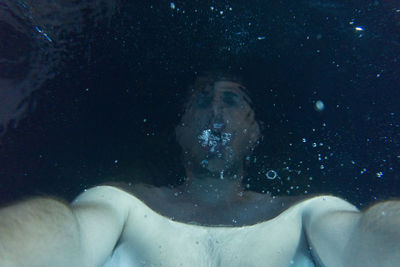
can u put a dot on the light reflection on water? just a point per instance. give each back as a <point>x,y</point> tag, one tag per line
<point>33,44</point>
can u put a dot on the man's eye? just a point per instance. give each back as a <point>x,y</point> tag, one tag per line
<point>204,100</point>
<point>231,99</point>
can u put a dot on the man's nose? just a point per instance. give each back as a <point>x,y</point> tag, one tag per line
<point>217,109</point>
<point>217,105</point>
<point>218,118</point>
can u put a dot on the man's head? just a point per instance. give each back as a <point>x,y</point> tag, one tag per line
<point>218,129</point>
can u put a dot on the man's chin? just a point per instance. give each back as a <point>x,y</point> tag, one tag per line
<point>216,165</point>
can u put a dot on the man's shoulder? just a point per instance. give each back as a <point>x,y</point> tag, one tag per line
<point>254,207</point>
<point>142,191</point>
<point>266,207</point>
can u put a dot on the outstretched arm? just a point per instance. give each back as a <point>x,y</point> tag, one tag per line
<point>48,232</point>
<point>347,238</point>
<point>375,240</point>
<point>39,232</point>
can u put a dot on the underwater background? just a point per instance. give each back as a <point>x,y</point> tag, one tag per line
<point>91,92</point>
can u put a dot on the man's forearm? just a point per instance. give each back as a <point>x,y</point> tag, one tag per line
<point>376,239</point>
<point>39,232</point>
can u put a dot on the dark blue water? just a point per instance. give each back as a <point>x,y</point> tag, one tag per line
<point>117,75</point>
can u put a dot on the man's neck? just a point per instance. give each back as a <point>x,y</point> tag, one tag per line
<point>213,189</point>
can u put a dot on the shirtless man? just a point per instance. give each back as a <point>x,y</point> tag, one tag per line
<point>210,220</point>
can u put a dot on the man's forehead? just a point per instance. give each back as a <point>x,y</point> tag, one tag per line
<point>228,86</point>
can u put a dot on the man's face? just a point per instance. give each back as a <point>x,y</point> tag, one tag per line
<point>218,128</point>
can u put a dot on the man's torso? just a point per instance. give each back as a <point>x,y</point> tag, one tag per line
<point>157,238</point>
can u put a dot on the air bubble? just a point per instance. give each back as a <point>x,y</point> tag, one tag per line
<point>319,105</point>
<point>271,174</point>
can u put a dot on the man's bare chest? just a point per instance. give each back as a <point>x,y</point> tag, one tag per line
<point>154,240</point>
<point>183,209</point>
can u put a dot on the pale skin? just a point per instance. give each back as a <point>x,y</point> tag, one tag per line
<point>208,220</point>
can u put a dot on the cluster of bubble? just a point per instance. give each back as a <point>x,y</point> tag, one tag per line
<point>208,138</point>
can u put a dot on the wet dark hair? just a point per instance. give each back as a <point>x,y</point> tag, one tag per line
<point>213,76</point>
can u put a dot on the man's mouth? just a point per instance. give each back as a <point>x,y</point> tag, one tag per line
<point>218,125</point>
<point>214,141</point>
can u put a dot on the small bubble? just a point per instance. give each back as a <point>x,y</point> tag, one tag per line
<point>314,144</point>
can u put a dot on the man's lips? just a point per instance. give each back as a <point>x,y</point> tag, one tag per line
<point>218,125</point>
<point>214,141</point>
<point>214,149</point>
